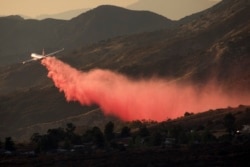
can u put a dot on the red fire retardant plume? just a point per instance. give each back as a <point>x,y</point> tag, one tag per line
<point>153,99</point>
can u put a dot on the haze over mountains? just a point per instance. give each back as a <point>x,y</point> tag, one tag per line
<point>213,44</point>
<point>67,15</point>
<point>100,23</point>
<point>173,10</point>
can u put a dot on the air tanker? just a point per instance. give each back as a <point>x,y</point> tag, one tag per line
<point>35,56</point>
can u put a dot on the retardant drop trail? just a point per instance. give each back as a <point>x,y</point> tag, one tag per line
<point>154,99</point>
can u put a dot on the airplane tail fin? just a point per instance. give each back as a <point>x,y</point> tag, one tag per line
<point>43,53</point>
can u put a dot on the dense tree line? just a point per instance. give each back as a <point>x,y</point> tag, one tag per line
<point>8,145</point>
<point>145,133</point>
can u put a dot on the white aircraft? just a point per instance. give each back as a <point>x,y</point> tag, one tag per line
<point>40,57</point>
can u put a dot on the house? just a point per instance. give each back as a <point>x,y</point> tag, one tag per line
<point>246,129</point>
<point>169,141</point>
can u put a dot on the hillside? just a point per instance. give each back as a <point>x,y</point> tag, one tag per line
<point>213,45</point>
<point>103,22</point>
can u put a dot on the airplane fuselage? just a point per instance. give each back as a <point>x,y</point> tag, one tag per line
<point>36,56</point>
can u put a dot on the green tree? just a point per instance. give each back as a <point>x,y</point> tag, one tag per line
<point>87,136</point>
<point>67,144</point>
<point>229,121</point>
<point>207,136</point>
<point>97,137</point>
<point>125,132</point>
<point>76,139</point>
<point>9,144</point>
<point>143,131</point>
<point>192,137</point>
<point>70,128</point>
<point>56,135</point>
<point>47,142</point>
<point>109,131</point>
<point>35,138</point>
<point>177,132</point>
<point>188,114</point>
<point>71,136</point>
<point>136,124</point>
<point>156,138</point>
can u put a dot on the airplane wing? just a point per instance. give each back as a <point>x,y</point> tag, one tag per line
<point>54,52</point>
<point>26,61</point>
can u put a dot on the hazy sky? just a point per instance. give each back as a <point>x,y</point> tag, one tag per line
<point>173,9</point>
<point>34,8</point>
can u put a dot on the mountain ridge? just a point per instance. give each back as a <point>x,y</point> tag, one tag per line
<point>32,34</point>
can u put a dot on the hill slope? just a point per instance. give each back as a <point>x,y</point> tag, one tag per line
<point>213,44</point>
